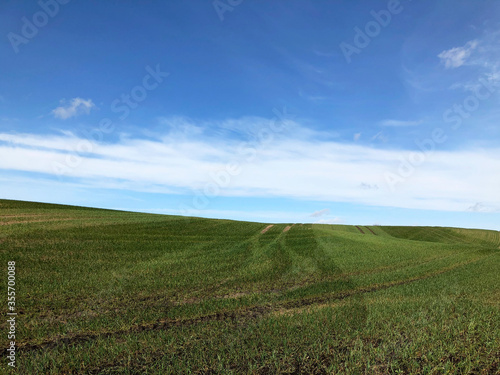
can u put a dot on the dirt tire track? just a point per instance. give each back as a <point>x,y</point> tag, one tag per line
<point>266,228</point>
<point>361,230</point>
<point>253,312</point>
<point>370,229</point>
<point>35,221</point>
<point>249,313</point>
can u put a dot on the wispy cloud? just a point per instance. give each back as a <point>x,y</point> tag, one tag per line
<point>76,107</point>
<point>293,166</point>
<point>9,119</point>
<point>366,186</point>
<point>325,211</point>
<point>400,123</point>
<point>317,52</point>
<point>381,137</point>
<point>485,62</point>
<point>323,214</point>
<point>313,98</point>
<point>456,57</point>
<point>480,207</point>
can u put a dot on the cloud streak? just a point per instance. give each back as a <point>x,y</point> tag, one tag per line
<point>400,123</point>
<point>325,211</point>
<point>309,168</point>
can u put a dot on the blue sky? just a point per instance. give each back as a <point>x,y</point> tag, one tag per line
<point>382,112</point>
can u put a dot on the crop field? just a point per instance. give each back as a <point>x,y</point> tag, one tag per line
<point>112,292</point>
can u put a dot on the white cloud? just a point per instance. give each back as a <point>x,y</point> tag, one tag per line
<point>486,63</point>
<point>455,57</point>
<point>480,207</point>
<point>180,126</point>
<point>325,211</point>
<point>357,136</point>
<point>366,186</point>
<point>293,166</point>
<point>76,107</point>
<point>400,123</point>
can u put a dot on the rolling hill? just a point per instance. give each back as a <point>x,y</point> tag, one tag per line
<point>102,291</point>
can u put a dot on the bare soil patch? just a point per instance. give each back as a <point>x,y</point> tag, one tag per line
<point>266,228</point>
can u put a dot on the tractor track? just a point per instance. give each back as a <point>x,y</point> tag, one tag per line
<point>370,229</point>
<point>250,313</point>
<point>361,230</point>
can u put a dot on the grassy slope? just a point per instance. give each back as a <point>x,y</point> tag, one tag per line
<point>120,292</point>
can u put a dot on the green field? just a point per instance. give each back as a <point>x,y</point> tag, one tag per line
<point>111,292</point>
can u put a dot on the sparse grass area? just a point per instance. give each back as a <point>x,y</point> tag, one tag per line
<point>103,291</point>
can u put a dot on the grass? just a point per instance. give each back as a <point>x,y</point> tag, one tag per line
<point>103,292</point>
